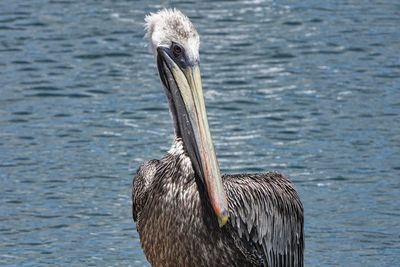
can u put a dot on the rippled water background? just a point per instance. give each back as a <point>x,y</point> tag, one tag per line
<point>307,88</point>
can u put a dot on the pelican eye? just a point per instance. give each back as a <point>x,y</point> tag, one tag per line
<point>177,50</point>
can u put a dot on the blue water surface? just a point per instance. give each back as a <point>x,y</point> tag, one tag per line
<point>307,88</point>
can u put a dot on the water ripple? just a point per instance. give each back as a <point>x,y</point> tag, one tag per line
<point>306,88</point>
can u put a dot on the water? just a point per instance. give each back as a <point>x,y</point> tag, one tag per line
<point>310,89</point>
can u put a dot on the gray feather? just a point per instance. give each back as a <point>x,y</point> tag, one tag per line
<point>177,226</point>
<point>267,210</point>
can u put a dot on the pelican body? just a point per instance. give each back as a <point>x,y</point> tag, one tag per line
<point>186,212</point>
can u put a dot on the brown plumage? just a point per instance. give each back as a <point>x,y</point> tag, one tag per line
<point>181,204</point>
<point>177,227</point>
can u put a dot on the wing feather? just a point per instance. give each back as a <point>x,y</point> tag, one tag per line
<point>266,211</point>
<point>140,183</point>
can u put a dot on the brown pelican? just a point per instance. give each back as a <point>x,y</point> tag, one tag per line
<point>187,214</point>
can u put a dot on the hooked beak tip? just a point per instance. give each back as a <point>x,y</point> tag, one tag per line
<point>223,218</point>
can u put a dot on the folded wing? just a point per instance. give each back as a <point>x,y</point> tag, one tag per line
<point>266,211</point>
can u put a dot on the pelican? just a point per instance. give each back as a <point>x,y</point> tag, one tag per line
<point>186,212</point>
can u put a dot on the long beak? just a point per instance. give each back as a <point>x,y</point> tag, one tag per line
<point>183,86</point>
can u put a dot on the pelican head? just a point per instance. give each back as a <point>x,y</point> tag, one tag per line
<point>175,45</point>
